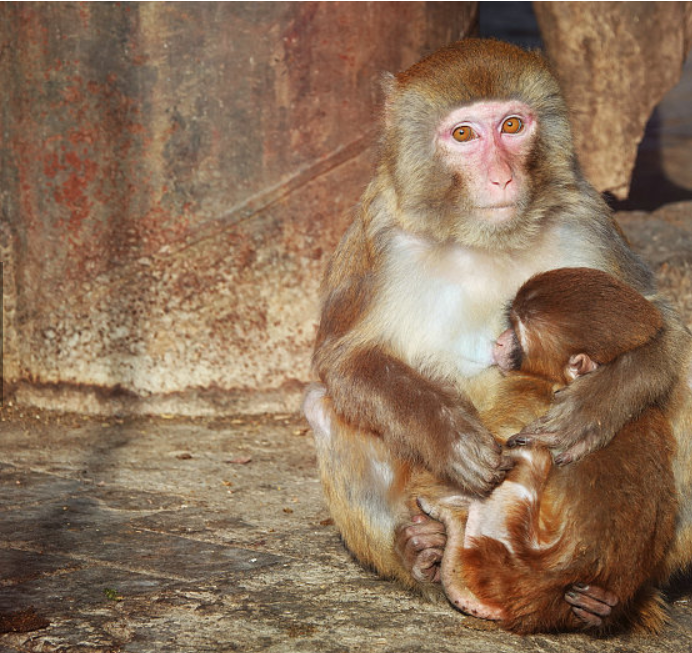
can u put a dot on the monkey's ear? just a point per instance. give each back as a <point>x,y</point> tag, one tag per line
<point>580,364</point>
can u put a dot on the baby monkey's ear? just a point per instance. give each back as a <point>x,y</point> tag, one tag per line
<point>578,365</point>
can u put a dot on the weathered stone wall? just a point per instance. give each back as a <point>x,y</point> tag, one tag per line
<point>174,177</point>
<point>616,61</point>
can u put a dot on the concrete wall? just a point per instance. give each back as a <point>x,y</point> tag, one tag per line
<point>174,177</point>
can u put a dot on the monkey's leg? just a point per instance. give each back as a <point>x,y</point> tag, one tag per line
<point>367,495</point>
<point>486,530</point>
<point>452,510</point>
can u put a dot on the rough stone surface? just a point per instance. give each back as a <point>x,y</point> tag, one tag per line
<point>616,61</point>
<point>663,171</point>
<point>173,177</point>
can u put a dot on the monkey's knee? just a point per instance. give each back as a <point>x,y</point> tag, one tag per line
<point>317,411</point>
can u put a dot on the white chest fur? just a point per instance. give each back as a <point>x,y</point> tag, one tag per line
<point>443,306</point>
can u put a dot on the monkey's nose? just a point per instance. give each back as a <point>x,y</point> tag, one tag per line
<point>499,173</point>
<point>501,182</point>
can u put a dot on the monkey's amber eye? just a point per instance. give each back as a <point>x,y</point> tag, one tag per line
<point>463,133</point>
<point>512,125</point>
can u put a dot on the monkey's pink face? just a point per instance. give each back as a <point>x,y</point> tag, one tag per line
<point>487,144</point>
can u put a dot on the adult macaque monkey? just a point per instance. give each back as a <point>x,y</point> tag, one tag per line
<point>477,189</point>
<point>511,556</point>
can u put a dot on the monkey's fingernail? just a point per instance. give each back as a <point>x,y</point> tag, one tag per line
<point>580,587</point>
<point>517,441</point>
<point>571,595</point>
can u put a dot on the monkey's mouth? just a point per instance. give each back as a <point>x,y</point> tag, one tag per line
<point>497,213</point>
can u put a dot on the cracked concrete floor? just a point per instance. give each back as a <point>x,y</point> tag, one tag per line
<point>155,534</point>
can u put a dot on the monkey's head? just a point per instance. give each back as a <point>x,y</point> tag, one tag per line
<point>477,144</point>
<point>567,322</point>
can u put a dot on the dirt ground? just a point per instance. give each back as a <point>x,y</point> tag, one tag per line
<point>154,534</point>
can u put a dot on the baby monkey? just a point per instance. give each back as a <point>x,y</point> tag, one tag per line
<point>606,521</point>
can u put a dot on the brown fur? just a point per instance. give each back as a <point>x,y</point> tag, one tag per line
<point>595,522</point>
<point>416,228</point>
<point>559,307</point>
<point>617,533</point>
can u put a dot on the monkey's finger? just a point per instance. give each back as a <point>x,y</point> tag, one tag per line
<point>429,558</point>
<point>594,610</point>
<point>588,618</point>
<point>434,511</point>
<point>591,604</point>
<point>422,524</point>
<point>420,532</point>
<point>426,568</point>
<point>478,478</point>
<point>518,440</point>
<point>552,426</point>
<point>549,439</point>
<point>528,437</point>
<point>428,508</point>
<point>563,459</point>
<point>412,539</point>
<point>585,602</point>
<point>419,543</point>
<point>420,546</point>
<point>597,593</point>
<point>482,483</point>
